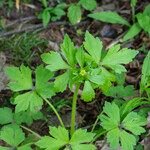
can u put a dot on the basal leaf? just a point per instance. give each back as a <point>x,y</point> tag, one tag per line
<point>81,136</point>
<point>60,137</point>
<point>119,131</point>
<point>93,46</point>
<point>83,147</point>
<point>49,143</point>
<point>59,133</point>
<point>74,14</point>
<point>6,115</point>
<point>20,78</point>
<point>24,147</point>
<point>109,17</point>
<point>133,123</point>
<point>128,141</point>
<point>12,134</point>
<point>113,138</point>
<point>28,100</point>
<point>112,117</point>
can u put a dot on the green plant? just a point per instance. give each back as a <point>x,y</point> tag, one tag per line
<point>87,67</point>
<point>51,13</point>
<point>14,136</point>
<point>121,130</point>
<point>75,13</point>
<point>142,23</point>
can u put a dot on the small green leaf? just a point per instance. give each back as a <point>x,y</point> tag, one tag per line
<point>81,136</point>
<point>93,46</point>
<point>12,134</point>
<point>133,31</point>
<point>109,17</point>
<point>88,93</point>
<point>88,4</point>
<point>144,22</point>
<point>6,115</point>
<point>20,78</point>
<point>46,17</point>
<point>61,82</point>
<point>74,14</point>
<point>60,138</point>
<point>54,61</point>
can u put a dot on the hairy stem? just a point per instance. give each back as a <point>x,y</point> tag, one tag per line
<point>55,111</point>
<point>31,131</point>
<point>73,113</point>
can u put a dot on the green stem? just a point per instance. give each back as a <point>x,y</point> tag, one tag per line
<point>55,111</point>
<point>73,113</point>
<point>29,130</point>
<point>94,125</point>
